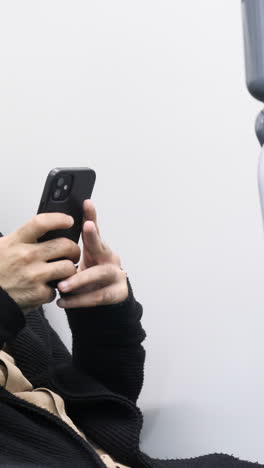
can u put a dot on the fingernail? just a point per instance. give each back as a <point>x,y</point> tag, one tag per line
<point>64,285</point>
<point>61,303</point>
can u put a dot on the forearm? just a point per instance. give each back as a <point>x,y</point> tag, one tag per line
<point>12,319</point>
<point>106,343</point>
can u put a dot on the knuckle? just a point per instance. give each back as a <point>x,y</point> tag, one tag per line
<point>39,221</point>
<point>67,263</point>
<point>65,243</point>
<point>27,254</point>
<point>73,244</point>
<point>69,267</point>
<point>32,276</point>
<point>42,273</point>
<point>63,269</point>
<point>23,253</point>
<point>70,246</point>
<point>76,249</point>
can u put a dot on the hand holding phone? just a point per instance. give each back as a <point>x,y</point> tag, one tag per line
<point>25,269</point>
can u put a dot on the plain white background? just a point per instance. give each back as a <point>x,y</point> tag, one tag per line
<point>152,96</point>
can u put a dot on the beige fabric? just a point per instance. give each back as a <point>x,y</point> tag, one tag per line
<point>12,379</point>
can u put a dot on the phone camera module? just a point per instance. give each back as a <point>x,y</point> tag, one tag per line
<point>62,187</point>
<point>60,181</point>
<point>57,194</point>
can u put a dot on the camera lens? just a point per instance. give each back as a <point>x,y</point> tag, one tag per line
<point>60,182</point>
<point>57,194</point>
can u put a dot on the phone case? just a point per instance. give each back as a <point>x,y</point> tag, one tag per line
<point>82,180</point>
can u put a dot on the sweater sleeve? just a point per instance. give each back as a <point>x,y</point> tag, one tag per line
<point>106,344</point>
<point>12,319</point>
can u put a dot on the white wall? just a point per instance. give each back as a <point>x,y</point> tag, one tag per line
<point>152,96</point>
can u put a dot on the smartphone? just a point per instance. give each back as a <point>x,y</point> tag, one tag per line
<point>64,191</point>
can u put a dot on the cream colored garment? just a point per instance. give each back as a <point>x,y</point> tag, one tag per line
<point>12,379</point>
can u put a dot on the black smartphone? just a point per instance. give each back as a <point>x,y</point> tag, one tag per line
<point>64,191</point>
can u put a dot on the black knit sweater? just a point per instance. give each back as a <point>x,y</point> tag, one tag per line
<point>100,383</point>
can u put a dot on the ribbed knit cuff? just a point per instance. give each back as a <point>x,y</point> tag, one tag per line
<point>112,323</point>
<point>12,319</point>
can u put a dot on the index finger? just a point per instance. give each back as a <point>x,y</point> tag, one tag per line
<point>40,224</point>
<point>90,213</point>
